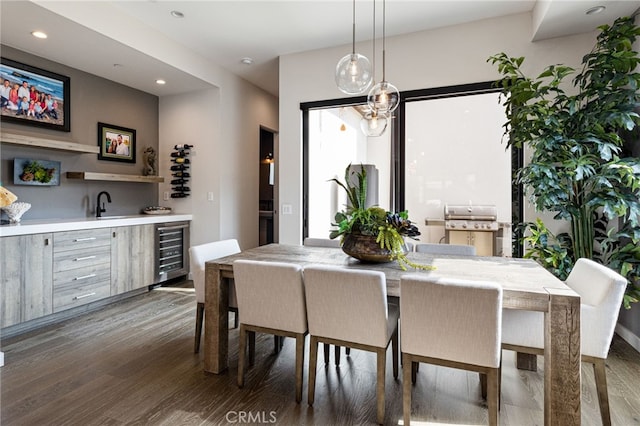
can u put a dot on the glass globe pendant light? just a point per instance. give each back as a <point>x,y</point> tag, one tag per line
<point>374,123</point>
<point>353,72</point>
<point>384,96</point>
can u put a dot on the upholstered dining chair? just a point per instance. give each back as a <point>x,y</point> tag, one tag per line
<point>349,308</point>
<point>322,242</point>
<point>271,297</point>
<point>335,243</point>
<point>198,255</point>
<point>470,342</point>
<point>601,292</point>
<point>453,249</point>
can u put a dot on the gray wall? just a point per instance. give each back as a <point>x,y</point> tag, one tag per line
<point>93,100</point>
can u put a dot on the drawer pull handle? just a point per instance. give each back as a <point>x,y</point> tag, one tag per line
<point>78,240</point>
<point>84,258</point>
<point>84,295</point>
<point>84,277</point>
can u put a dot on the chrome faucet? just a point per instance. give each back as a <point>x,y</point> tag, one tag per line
<point>100,210</point>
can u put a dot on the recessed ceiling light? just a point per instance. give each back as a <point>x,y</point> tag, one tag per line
<point>38,34</point>
<point>247,61</point>
<point>595,10</point>
<point>177,14</point>
<point>160,81</point>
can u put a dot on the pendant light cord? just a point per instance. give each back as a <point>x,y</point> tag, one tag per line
<point>374,44</point>
<point>384,37</point>
<point>353,43</point>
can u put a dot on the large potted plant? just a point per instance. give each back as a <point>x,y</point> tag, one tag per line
<point>372,234</point>
<point>576,168</point>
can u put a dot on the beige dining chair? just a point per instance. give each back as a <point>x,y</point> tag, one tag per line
<point>601,292</point>
<point>451,323</point>
<point>198,255</point>
<point>271,297</point>
<point>452,249</point>
<point>335,243</point>
<point>347,307</point>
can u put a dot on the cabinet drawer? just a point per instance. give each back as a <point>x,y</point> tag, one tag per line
<point>79,293</point>
<point>82,276</point>
<point>71,240</point>
<point>73,259</point>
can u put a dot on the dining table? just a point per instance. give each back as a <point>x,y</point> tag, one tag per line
<point>526,285</point>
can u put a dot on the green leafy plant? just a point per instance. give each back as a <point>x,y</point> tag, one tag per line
<point>388,228</point>
<point>576,170</point>
<point>34,171</point>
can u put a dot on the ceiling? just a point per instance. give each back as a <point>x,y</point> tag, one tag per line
<point>223,32</point>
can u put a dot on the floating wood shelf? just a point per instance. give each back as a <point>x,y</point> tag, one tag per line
<point>38,142</point>
<point>114,177</point>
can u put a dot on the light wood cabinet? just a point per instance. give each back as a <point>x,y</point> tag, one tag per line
<point>26,274</point>
<point>132,258</point>
<point>81,267</point>
<point>482,241</point>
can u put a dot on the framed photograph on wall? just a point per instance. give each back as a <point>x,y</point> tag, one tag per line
<point>34,97</point>
<point>116,143</point>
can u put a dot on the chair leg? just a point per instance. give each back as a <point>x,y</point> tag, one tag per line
<point>299,366</point>
<point>492,395</point>
<point>236,318</point>
<point>406,388</point>
<point>276,344</point>
<point>348,351</point>
<point>199,318</point>
<point>601,387</point>
<point>336,354</point>
<point>414,371</point>
<point>382,363</point>
<point>313,359</point>
<point>395,353</point>
<point>483,385</point>
<point>326,353</point>
<point>252,347</point>
<point>242,349</point>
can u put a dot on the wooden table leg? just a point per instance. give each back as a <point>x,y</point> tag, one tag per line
<point>216,321</point>
<point>562,359</point>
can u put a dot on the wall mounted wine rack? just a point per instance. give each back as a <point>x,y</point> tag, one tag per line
<point>180,171</point>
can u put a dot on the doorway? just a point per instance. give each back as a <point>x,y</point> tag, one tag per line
<point>266,211</point>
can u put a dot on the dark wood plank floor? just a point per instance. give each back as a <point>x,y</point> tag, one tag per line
<point>133,363</point>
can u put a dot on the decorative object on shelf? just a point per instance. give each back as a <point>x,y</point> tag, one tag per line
<point>353,72</point>
<point>156,210</point>
<point>383,97</point>
<point>384,230</point>
<point>15,211</point>
<point>180,171</point>
<point>6,197</point>
<point>149,162</point>
<point>116,143</point>
<point>36,172</point>
<point>114,177</point>
<point>36,98</point>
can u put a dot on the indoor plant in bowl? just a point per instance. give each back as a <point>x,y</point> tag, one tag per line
<point>372,234</point>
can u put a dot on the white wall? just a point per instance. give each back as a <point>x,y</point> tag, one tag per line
<point>441,57</point>
<point>224,127</point>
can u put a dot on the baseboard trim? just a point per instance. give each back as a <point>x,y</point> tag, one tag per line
<point>628,336</point>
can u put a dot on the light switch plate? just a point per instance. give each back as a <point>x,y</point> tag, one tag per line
<point>287,209</point>
<point>165,196</point>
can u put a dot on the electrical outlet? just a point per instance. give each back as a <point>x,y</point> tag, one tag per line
<point>166,196</point>
<point>209,196</point>
<point>287,209</point>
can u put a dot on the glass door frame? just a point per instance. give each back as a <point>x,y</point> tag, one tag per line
<point>398,151</point>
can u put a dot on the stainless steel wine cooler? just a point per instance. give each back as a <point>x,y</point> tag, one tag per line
<point>172,250</point>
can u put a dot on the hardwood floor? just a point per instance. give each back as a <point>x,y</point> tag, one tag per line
<point>133,363</point>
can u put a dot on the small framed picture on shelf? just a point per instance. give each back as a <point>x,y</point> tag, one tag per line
<point>116,143</point>
<point>34,97</point>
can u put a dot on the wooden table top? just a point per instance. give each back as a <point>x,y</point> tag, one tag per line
<point>526,284</point>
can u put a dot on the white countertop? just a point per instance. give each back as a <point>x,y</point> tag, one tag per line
<point>40,226</point>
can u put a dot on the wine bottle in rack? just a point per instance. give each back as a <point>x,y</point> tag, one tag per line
<point>180,160</point>
<point>179,195</point>
<point>183,146</point>
<point>179,154</point>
